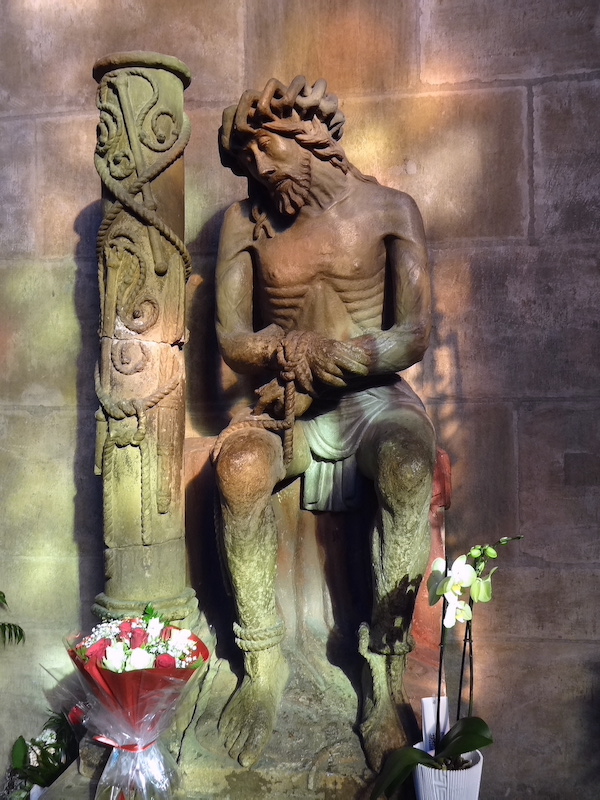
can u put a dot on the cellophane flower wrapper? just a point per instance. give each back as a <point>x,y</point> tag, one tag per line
<point>130,711</point>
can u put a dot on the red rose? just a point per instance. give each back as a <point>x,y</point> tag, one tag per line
<point>139,637</point>
<point>165,661</point>
<point>166,633</point>
<point>125,630</point>
<point>97,651</point>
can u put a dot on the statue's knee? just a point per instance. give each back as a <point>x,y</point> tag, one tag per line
<point>248,467</point>
<point>405,466</point>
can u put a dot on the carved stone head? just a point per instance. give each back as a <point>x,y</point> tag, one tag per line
<point>301,112</point>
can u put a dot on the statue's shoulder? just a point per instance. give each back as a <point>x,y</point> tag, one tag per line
<point>239,212</point>
<point>388,203</point>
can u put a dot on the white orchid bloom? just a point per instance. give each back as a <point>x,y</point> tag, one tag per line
<point>460,576</point>
<point>139,659</point>
<point>114,658</point>
<point>456,611</point>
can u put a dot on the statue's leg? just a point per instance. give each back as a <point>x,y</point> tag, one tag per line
<point>249,465</point>
<point>398,454</point>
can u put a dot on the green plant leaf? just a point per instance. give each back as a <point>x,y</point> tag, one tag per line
<point>469,733</point>
<point>11,633</point>
<point>19,754</point>
<point>3,602</point>
<point>396,769</point>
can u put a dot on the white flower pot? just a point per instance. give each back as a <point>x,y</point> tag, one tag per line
<point>449,784</point>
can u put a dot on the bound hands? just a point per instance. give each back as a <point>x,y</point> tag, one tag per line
<point>308,358</point>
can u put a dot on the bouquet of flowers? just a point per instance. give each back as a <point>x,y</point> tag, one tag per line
<point>460,587</point>
<point>134,672</point>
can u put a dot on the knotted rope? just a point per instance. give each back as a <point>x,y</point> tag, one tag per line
<point>293,366</point>
<point>118,410</point>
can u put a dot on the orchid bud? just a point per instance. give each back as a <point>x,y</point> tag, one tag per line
<point>490,552</point>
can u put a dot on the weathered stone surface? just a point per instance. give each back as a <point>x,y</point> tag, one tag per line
<point>559,515</point>
<point>356,46</point>
<point>464,40</point>
<point>17,187</point>
<point>314,753</point>
<point>529,601</point>
<point>139,573</point>
<point>480,441</point>
<point>33,33</point>
<point>49,316</point>
<point>459,154</point>
<point>567,161</point>
<point>50,592</point>
<point>538,699</point>
<point>515,322</point>
<point>50,500</point>
<point>209,188</point>
<point>68,189</point>
<point>41,662</point>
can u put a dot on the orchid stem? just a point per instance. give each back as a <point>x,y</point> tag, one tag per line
<point>462,671</point>
<point>438,723</point>
<point>471,665</point>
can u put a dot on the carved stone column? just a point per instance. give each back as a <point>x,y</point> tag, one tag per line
<point>140,380</point>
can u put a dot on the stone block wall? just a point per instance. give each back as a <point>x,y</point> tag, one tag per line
<point>487,113</point>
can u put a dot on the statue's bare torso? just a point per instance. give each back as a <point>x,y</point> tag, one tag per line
<point>319,265</point>
<point>326,262</point>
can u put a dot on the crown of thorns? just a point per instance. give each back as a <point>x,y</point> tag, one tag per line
<point>298,102</point>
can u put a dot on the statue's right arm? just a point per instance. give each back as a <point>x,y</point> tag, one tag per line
<point>243,349</point>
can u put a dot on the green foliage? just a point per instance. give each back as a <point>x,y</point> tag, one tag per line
<point>396,769</point>
<point>41,760</point>
<point>151,613</point>
<point>469,733</point>
<point>10,633</point>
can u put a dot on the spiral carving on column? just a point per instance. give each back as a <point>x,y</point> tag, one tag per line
<point>121,137</point>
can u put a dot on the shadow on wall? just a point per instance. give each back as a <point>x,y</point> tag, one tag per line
<point>87,522</point>
<point>207,400</point>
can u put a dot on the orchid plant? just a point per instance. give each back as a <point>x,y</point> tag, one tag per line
<point>460,587</point>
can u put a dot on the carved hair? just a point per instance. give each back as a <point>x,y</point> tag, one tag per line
<point>300,110</point>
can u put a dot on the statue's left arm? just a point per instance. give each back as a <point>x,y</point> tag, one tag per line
<point>405,342</point>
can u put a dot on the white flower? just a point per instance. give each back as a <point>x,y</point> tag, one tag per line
<point>154,627</point>
<point>139,659</point>
<point>456,610</point>
<point>461,577</point>
<point>179,638</point>
<point>114,658</point>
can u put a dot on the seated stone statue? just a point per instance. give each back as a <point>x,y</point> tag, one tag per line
<point>323,297</point>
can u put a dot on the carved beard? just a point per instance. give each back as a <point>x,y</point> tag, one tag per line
<point>291,193</point>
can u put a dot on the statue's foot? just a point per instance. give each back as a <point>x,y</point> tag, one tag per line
<point>381,732</point>
<point>248,720</point>
<point>381,729</point>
